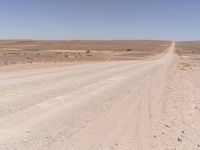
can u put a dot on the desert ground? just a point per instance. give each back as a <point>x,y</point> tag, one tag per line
<point>32,52</point>
<point>99,95</point>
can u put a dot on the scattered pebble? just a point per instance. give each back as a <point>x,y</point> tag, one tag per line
<point>24,140</point>
<point>47,137</point>
<point>166,125</point>
<point>28,131</point>
<point>179,139</point>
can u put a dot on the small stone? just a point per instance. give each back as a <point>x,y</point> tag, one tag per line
<point>166,125</point>
<point>179,139</point>
<point>28,131</point>
<point>47,137</point>
<point>183,132</point>
<point>24,140</point>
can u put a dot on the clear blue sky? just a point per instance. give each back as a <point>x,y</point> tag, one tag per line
<point>100,19</point>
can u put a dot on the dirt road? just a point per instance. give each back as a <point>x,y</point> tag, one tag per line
<point>108,105</point>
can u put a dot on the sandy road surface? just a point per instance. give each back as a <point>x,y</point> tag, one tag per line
<point>109,105</point>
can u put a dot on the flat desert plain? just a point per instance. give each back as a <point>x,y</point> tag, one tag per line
<point>31,52</point>
<point>99,95</point>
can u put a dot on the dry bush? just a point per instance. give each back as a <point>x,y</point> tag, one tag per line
<point>128,50</point>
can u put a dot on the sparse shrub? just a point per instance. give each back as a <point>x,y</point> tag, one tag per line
<point>88,51</point>
<point>57,53</point>
<point>18,53</point>
<point>179,53</point>
<point>128,50</point>
<point>29,58</point>
<point>185,65</point>
<point>89,55</point>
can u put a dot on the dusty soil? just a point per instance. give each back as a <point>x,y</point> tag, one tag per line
<point>179,124</point>
<point>139,104</point>
<point>24,52</point>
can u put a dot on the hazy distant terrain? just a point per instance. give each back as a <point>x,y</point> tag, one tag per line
<point>84,45</point>
<point>17,52</point>
<point>188,47</point>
